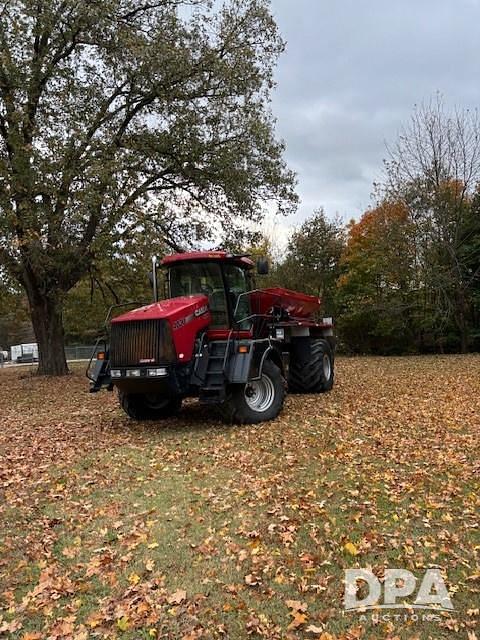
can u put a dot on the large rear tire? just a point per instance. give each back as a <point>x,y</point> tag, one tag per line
<point>257,400</point>
<point>311,366</point>
<point>149,406</point>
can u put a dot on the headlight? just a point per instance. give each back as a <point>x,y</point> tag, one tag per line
<point>116,373</point>
<point>133,373</point>
<point>157,372</point>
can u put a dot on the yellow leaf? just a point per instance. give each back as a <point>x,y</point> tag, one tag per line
<point>152,545</point>
<point>122,623</point>
<point>133,578</point>
<point>351,549</point>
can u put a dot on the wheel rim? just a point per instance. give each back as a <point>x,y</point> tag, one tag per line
<point>155,401</point>
<point>327,366</point>
<point>259,394</point>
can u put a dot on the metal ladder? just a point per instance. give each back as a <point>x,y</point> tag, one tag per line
<point>213,389</point>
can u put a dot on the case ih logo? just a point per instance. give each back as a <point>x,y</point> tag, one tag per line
<point>201,310</point>
<point>398,584</point>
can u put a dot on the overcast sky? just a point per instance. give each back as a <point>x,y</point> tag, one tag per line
<point>351,75</point>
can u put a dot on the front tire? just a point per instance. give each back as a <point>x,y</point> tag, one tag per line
<point>149,406</point>
<point>257,400</point>
<point>311,366</point>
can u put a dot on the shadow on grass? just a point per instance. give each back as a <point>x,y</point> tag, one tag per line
<point>193,418</point>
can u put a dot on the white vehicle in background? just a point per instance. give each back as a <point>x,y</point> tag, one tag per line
<point>24,352</point>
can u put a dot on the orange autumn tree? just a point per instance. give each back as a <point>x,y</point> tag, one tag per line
<point>376,289</point>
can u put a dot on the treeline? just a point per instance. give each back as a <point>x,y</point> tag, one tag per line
<point>389,290</point>
<point>405,277</point>
<point>402,278</point>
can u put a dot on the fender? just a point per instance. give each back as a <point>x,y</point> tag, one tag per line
<point>245,366</point>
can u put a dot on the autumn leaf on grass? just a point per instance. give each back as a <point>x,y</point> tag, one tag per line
<point>11,627</point>
<point>134,579</point>
<point>351,549</point>
<point>178,597</point>
<point>297,611</point>
<point>94,620</point>
<point>296,605</point>
<point>298,620</point>
<point>252,580</point>
<point>150,565</point>
<point>122,623</point>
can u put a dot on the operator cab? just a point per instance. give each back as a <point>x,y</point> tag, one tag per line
<point>223,278</point>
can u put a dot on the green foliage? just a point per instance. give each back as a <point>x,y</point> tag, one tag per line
<point>123,116</point>
<point>312,261</point>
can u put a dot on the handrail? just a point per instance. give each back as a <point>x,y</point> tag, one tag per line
<point>225,355</point>
<point>265,316</point>
<point>195,364</point>
<point>247,293</point>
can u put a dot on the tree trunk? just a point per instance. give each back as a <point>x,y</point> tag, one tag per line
<point>46,313</point>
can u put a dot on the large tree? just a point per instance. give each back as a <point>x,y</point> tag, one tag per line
<point>121,115</point>
<point>434,169</point>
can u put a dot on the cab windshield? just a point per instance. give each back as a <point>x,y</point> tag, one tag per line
<point>206,278</point>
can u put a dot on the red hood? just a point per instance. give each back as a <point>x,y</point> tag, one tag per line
<point>165,309</point>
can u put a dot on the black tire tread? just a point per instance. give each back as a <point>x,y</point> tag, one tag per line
<point>306,376</point>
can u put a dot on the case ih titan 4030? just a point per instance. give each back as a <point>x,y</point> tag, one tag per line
<point>217,338</point>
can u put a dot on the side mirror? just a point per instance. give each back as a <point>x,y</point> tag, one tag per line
<point>262,266</point>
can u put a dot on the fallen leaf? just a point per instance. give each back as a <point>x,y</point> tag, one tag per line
<point>177,597</point>
<point>351,549</point>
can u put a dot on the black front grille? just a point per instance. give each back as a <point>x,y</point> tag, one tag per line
<point>141,342</point>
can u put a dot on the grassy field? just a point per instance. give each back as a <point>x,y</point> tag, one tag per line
<point>195,529</point>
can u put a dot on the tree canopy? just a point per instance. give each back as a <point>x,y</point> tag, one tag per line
<point>125,116</point>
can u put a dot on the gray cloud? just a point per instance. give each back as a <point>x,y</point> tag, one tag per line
<point>351,74</point>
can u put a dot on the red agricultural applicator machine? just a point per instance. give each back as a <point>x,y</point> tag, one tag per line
<point>217,338</point>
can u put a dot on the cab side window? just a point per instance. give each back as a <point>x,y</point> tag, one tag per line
<point>237,288</point>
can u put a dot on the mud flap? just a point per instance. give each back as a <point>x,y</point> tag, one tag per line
<point>100,376</point>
